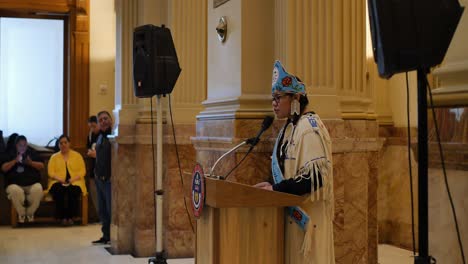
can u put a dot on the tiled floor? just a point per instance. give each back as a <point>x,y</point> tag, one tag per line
<point>393,255</point>
<point>50,245</point>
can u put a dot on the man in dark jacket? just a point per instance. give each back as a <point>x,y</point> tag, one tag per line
<point>102,174</point>
<point>91,139</point>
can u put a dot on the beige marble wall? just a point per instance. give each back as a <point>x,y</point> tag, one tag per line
<point>453,124</point>
<point>133,229</point>
<point>394,207</point>
<point>443,242</point>
<point>179,238</point>
<point>394,200</point>
<point>356,149</point>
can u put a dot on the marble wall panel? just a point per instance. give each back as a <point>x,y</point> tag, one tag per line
<point>452,122</point>
<point>443,242</point>
<point>372,208</point>
<point>133,227</point>
<point>394,207</point>
<point>355,169</point>
<point>394,199</point>
<point>123,197</point>
<point>179,236</point>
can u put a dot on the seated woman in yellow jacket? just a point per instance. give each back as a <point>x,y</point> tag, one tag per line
<point>66,180</point>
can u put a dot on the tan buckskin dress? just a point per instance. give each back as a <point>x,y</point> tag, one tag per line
<point>309,148</point>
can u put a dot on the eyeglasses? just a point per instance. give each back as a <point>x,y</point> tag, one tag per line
<point>276,98</point>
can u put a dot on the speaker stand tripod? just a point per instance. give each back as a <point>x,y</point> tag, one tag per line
<point>159,192</point>
<point>423,227</point>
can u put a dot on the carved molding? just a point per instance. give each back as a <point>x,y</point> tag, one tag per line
<point>55,6</point>
<point>243,107</point>
<point>453,87</point>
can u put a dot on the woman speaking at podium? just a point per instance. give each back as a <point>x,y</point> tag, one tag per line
<point>302,165</point>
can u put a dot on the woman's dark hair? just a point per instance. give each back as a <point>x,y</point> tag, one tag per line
<point>11,143</point>
<point>57,142</point>
<point>92,119</point>
<point>63,136</point>
<point>19,138</point>
<point>303,101</point>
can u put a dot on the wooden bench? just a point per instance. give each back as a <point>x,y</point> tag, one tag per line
<point>47,198</point>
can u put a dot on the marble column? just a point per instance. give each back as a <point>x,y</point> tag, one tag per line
<point>133,222</point>
<point>187,20</point>
<point>238,88</point>
<point>124,165</point>
<point>133,227</point>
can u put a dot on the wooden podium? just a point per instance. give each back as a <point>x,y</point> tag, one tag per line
<point>241,224</point>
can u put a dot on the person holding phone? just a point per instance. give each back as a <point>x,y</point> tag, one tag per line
<point>66,181</point>
<point>22,178</point>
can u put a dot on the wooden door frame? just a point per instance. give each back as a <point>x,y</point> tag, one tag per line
<point>76,56</point>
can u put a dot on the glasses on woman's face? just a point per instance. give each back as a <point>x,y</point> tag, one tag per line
<point>277,97</point>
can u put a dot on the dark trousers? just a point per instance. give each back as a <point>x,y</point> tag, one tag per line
<point>67,200</point>
<point>103,188</point>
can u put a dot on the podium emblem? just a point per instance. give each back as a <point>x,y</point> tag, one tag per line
<point>198,190</point>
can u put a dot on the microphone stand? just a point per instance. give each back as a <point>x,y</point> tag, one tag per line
<point>251,141</point>
<point>224,155</point>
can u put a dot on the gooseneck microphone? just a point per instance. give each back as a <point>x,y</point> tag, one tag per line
<point>267,121</point>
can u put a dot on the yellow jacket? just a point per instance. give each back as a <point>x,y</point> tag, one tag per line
<point>75,165</point>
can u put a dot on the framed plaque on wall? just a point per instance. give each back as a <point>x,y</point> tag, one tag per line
<point>217,3</point>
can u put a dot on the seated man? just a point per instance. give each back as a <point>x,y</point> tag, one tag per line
<point>22,179</point>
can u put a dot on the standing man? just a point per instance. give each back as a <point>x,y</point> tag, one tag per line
<point>93,134</point>
<point>102,174</point>
<point>23,179</point>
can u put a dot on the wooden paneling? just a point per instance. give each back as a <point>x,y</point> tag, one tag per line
<point>251,235</point>
<point>240,235</point>
<point>79,73</point>
<point>240,195</point>
<point>207,241</point>
<point>79,88</point>
<point>58,6</point>
<point>241,224</point>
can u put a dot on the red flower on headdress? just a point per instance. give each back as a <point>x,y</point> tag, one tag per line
<point>297,215</point>
<point>287,81</point>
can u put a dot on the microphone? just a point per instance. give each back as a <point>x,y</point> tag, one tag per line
<point>267,121</point>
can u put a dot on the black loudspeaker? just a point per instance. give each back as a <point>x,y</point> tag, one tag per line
<point>155,64</point>
<point>411,34</point>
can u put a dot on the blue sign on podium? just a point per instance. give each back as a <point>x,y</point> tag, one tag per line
<point>198,190</point>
